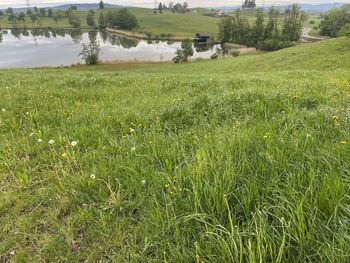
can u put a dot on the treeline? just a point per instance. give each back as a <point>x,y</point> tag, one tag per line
<point>36,13</point>
<point>249,4</point>
<point>273,35</point>
<point>121,19</point>
<point>336,22</point>
<point>175,8</point>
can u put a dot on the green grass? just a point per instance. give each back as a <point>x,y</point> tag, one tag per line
<point>235,160</point>
<point>178,25</point>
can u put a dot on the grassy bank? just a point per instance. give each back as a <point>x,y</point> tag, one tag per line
<point>235,160</point>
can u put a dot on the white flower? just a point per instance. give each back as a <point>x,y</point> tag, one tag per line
<point>133,149</point>
<point>143,182</point>
<point>51,142</point>
<point>40,140</point>
<point>92,176</point>
<point>132,130</point>
<point>3,110</point>
<point>73,143</point>
<point>12,252</point>
<point>31,134</point>
<point>27,113</point>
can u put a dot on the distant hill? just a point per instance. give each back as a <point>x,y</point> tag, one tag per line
<point>309,8</point>
<point>83,7</point>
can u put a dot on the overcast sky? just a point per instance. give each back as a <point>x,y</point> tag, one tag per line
<point>150,3</point>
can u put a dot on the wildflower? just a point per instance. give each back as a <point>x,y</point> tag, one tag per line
<point>73,143</point>
<point>31,134</point>
<point>133,149</point>
<point>335,118</point>
<point>143,182</point>
<point>64,155</point>
<point>40,140</point>
<point>51,142</point>
<point>343,142</point>
<point>265,137</point>
<point>92,176</point>
<point>3,110</point>
<point>12,252</point>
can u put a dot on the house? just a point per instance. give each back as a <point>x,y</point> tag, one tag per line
<point>201,37</point>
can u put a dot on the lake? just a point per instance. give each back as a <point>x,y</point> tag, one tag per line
<point>21,48</point>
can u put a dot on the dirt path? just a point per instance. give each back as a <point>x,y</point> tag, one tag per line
<point>306,37</point>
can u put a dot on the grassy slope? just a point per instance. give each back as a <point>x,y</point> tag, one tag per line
<point>204,161</point>
<point>181,25</point>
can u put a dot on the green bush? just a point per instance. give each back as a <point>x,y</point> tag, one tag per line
<point>273,44</point>
<point>312,22</point>
<point>235,53</point>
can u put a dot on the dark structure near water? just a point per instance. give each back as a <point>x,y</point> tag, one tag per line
<point>201,38</point>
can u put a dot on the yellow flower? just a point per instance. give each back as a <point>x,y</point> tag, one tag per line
<point>343,142</point>
<point>335,118</point>
<point>64,155</point>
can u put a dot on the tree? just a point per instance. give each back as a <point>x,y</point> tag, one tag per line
<point>36,10</point>
<point>42,12</point>
<point>271,29</point>
<point>9,10</point>
<point>258,31</point>
<point>186,51</point>
<point>90,18</point>
<point>90,53</point>
<point>249,4</point>
<point>2,13</point>
<point>74,7</point>
<point>12,18</point>
<point>345,31</point>
<point>225,30</point>
<point>22,17</point>
<point>185,5</point>
<point>160,8</point>
<point>101,5</point>
<point>333,22</point>
<point>293,23</point>
<point>33,17</point>
<point>102,21</point>
<point>74,20</point>
<point>49,12</point>
<point>125,20</point>
<point>55,18</point>
<point>29,12</point>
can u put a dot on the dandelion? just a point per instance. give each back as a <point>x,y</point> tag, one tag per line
<point>92,176</point>
<point>40,140</point>
<point>51,142</point>
<point>73,143</point>
<point>64,155</point>
<point>335,118</point>
<point>143,182</point>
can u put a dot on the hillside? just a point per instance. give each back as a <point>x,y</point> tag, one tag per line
<point>178,25</point>
<point>235,160</point>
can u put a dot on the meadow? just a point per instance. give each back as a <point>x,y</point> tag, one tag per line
<point>235,160</point>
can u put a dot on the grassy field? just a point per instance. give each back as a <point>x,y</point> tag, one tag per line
<point>234,160</point>
<point>178,25</point>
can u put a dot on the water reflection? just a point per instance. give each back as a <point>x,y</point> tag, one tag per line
<point>55,47</point>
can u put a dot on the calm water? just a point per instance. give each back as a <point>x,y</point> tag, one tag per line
<point>38,48</point>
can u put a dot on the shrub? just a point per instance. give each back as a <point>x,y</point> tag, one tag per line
<point>90,53</point>
<point>312,22</point>
<point>214,56</point>
<point>273,44</point>
<point>235,53</point>
<point>183,53</point>
<point>162,35</point>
